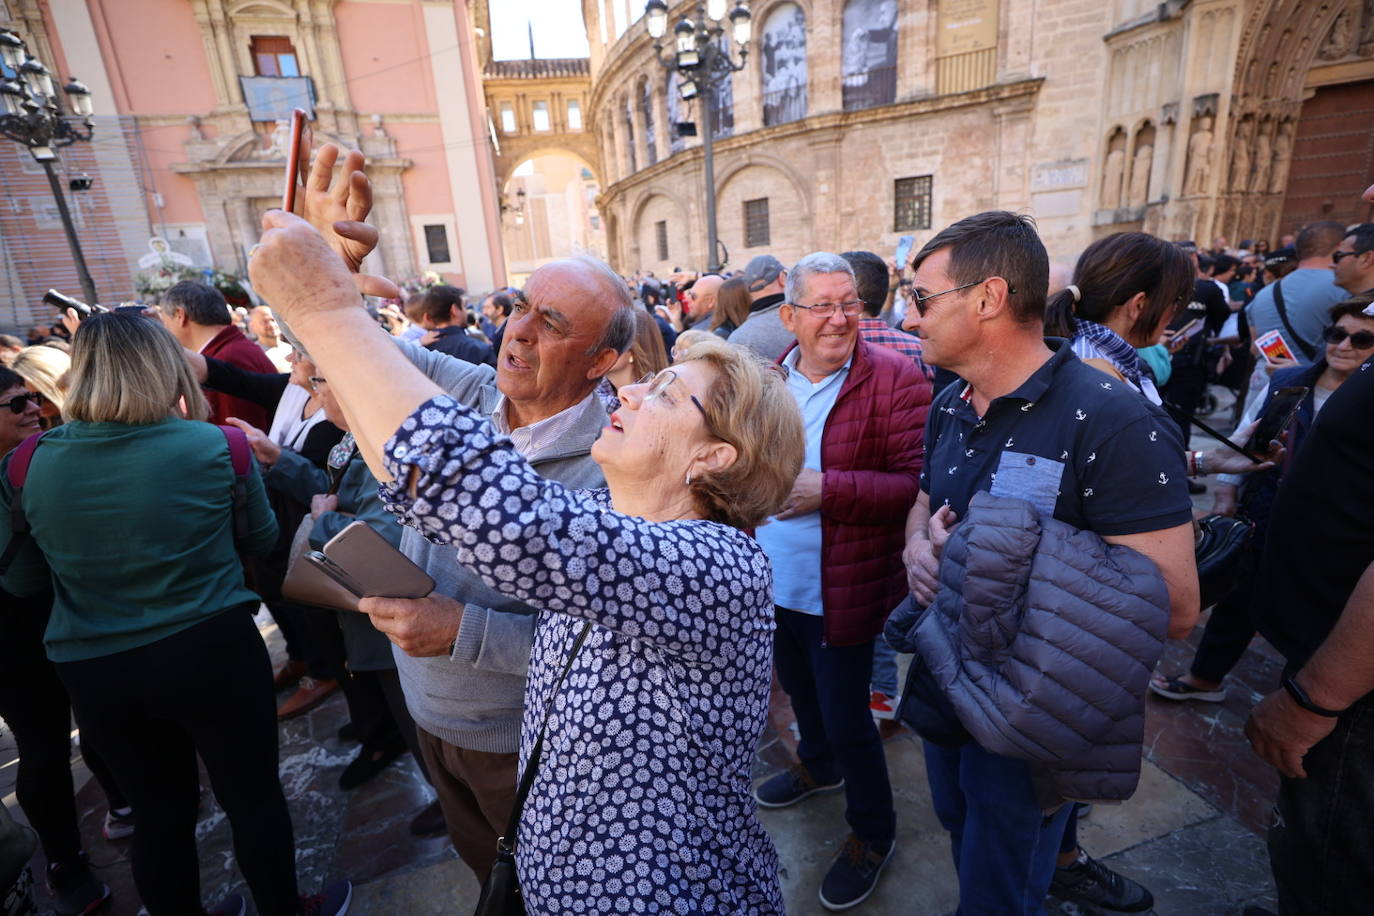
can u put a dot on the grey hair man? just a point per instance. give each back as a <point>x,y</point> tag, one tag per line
<point>462,653</point>
<point>763,331</point>
<point>836,552</point>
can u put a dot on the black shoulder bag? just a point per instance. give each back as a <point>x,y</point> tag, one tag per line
<point>1298,342</point>
<point>501,890</point>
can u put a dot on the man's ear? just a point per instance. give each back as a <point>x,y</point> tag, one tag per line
<point>602,364</point>
<point>994,299</point>
<point>788,316</point>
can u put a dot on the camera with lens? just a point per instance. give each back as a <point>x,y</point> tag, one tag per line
<point>62,302</point>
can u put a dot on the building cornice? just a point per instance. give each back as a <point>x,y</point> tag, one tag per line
<point>833,124</point>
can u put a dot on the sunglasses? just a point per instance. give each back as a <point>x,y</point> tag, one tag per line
<point>1338,256</point>
<point>17,403</point>
<point>1360,340</point>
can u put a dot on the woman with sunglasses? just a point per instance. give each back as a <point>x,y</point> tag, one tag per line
<point>655,601</point>
<point>1349,344</point>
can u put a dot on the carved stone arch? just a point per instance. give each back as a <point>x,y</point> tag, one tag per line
<point>726,175</point>
<point>266,9</point>
<point>511,163</point>
<point>1258,43</point>
<point>638,249</point>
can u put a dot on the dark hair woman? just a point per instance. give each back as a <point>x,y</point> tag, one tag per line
<point>1126,289</point>
<point>152,631</point>
<point>732,307</point>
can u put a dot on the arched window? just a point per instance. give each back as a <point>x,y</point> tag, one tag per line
<point>723,110</point>
<point>646,102</point>
<point>630,135</point>
<point>782,53</point>
<point>675,141</point>
<point>868,68</point>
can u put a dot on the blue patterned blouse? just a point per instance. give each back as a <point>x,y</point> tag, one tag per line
<point>643,802</point>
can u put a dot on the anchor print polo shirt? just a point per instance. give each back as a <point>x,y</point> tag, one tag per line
<point>1071,440</point>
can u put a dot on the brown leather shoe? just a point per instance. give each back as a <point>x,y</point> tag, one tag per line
<point>310,694</point>
<point>288,674</point>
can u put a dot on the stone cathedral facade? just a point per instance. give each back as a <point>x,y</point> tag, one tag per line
<point>855,122</point>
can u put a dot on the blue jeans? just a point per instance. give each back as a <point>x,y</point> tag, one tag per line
<point>884,667</point>
<point>1004,845</point>
<point>828,686</point>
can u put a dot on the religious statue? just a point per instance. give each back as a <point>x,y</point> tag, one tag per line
<point>1240,160</point>
<point>1112,176</point>
<point>1264,155</point>
<point>1140,175</point>
<point>1199,159</point>
<point>1283,153</point>
<point>1338,40</point>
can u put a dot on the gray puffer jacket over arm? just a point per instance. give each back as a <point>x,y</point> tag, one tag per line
<point>1043,638</point>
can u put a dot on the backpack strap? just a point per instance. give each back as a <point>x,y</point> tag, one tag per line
<point>18,473</point>
<point>1303,346</point>
<point>240,456</point>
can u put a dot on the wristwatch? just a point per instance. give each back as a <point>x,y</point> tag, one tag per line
<point>1290,683</point>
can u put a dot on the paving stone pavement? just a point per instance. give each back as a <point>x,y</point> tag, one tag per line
<point>1193,833</point>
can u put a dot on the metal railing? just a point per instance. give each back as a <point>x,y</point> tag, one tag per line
<point>869,89</point>
<point>782,106</point>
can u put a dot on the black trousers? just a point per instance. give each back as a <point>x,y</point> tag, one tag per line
<point>206,690</point>
<point>34,705</point>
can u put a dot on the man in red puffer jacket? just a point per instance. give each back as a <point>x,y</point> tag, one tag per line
<point>836,550</point>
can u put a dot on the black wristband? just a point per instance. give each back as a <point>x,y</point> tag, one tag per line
<point>1300,697</point>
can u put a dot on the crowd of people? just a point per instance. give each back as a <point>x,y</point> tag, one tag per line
<point>639,501</point>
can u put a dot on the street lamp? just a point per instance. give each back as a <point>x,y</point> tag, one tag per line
<point>30,116</point>
<point>703,64</point>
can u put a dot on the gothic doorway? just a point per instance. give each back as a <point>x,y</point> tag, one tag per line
<point>1333,157</point>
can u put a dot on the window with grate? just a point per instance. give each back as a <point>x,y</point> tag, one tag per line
<point>661,236</point>
<point>756,223</point>
<point>574,114</point>
<point>911,203</point>
<point>436,243</point>
<point>274,55</point>
<point>507,118</point>
<point>540,114</point>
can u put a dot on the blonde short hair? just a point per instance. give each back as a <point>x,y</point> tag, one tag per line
<point>748,405</point>
<point>130,369</point>
<point>44,369</point>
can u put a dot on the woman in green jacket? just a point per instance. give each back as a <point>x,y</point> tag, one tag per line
<point>131,519</point>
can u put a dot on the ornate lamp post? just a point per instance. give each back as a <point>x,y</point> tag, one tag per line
<point>30,116</point>
<point>703,63</point>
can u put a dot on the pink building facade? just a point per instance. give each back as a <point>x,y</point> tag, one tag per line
<point>189,145</point>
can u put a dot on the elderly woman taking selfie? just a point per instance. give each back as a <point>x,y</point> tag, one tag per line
<point>654,600</point>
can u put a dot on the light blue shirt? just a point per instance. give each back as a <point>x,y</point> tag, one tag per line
<point>1308,294</point>
<point>794,545</point>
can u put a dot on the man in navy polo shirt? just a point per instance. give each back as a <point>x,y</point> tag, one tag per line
<point>1032,422</point>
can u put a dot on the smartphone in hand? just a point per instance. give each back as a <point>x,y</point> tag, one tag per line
<point>297,162</point>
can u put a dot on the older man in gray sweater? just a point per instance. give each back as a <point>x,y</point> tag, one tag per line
<point>462,653</point>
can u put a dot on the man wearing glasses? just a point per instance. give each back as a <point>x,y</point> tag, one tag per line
<point>1033,423</point>
<point>1352,262</point>
<point>836,553</point>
